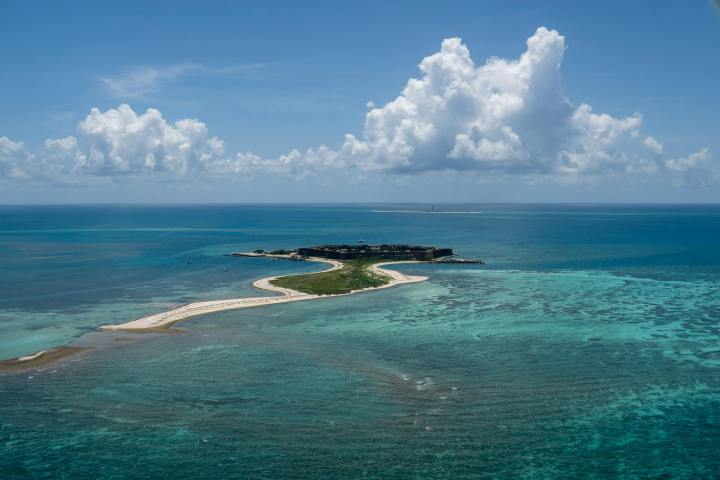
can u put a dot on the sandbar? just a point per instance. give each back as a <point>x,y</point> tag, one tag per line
<point>40,359</point>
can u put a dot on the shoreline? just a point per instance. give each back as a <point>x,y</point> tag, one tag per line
<point>160,321</point>
<point>163,322</point>
<point>42,358</point>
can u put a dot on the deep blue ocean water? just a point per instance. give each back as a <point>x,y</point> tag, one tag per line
<point>588,346</point>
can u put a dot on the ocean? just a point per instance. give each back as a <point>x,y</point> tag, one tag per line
<point>587,346</point>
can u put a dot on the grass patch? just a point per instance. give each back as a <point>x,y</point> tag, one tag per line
<point>353,276</point>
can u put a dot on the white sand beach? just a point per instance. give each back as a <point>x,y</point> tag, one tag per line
<point>165,319</point>
<point>34,356</point>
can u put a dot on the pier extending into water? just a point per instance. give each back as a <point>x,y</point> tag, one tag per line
<point>458,260</point>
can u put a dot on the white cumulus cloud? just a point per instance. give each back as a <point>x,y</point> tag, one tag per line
<point>653,145</point>
<point>503,117</point>
<point>13,159</point>
<point>698,168</point>
<point>701,159</point>
<point>62,156</point>
<point>121,141</point>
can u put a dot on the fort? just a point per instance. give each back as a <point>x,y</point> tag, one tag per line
<point>384,251</point>
<point>363,251</point>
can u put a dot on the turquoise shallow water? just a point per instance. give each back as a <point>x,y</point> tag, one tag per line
<point>588,347</point>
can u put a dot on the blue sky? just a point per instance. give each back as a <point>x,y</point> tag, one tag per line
<point>265,78</point>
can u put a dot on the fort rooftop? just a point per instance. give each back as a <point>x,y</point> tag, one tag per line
<point>384,251</point>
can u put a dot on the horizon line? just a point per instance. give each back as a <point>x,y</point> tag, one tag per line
<point>260,203</point>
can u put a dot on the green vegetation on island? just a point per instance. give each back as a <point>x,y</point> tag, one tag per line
<point>354,275</point>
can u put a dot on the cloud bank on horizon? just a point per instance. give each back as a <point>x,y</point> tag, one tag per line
<point>505,117</point>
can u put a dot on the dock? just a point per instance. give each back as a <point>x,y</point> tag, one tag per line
<point>270,255</point>
<point>458,261</point>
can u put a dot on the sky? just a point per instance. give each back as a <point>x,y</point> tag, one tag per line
<point>373,101</point>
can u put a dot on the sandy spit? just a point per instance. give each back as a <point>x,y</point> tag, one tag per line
<point>159,321</point>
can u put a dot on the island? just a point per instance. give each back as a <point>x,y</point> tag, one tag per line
<point>360,266</point>
<point>353,269</point>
